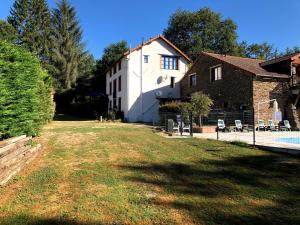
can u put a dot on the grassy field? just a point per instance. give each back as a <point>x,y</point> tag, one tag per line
<point>110,173</point>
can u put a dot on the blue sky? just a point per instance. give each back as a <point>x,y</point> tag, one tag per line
<point>105,22</point>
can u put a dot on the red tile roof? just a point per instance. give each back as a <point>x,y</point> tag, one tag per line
<point>280,59</point>
<point>251,65</point>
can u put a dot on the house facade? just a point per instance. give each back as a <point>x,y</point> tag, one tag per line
<point>150,71</point>
<point>238,84</point>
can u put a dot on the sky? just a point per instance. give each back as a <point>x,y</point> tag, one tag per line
<point>108,21</point>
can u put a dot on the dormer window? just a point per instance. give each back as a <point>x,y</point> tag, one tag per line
<point>215,73</point>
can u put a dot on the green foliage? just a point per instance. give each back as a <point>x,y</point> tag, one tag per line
<point>31,19</point>
<point>68,55</point>
<point>170,107</point>
<point>25,92</point>
<point>290,51</point>
<point>257,51</point>
<point>7,32</point>
<point>201,104</point>
<point>111,54</point>
<point>202,30</point>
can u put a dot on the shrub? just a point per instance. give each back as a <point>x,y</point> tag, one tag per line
<point>25,92</point>
<point>171,107</point>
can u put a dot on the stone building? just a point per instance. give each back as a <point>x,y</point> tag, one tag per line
<point>239,84</point>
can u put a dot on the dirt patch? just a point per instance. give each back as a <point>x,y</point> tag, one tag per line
<point>74,139</point>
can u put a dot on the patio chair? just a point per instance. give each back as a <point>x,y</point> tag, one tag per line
<point>272,126</point>
<point>261,125</point>
<point>286,126</point>
<point>175,127</point>
<point>238,125</point>
<point>221,125</point>
<point>185,128</point>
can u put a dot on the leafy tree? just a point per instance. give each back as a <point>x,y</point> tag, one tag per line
<point>31,19</point>
<point>25,92</point>
<point>200,105</point>
<point>257,51</point>
<point>68,53</point>
<point>111,54</point>
<point>290,51</point>
<point>7,32</point>
<point>203,30</point>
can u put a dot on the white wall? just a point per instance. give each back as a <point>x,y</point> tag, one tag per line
<point>146,109</point>
<point>123,92</point>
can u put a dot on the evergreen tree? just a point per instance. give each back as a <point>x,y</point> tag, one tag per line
<point>31,19</point>
<point>68,50</point>
<point>7,32</point>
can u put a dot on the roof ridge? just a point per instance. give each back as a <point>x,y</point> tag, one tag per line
<point>226,55</point>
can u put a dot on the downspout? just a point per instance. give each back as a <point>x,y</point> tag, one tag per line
<point>141,81</point>
<point>128,82</point>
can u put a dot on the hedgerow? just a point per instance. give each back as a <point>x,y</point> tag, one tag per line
<point>25,92</point>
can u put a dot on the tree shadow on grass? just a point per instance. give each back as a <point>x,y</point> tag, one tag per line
<point>28,220</point>
<point>66,117</point>
<point>260,189</point>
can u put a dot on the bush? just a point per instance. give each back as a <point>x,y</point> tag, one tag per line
<point>25,92</point>
<point>171,107</point>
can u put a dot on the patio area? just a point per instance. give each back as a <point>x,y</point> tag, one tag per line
<point>281,139</point>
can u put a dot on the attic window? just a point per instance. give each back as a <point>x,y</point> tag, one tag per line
<point>215,73</point>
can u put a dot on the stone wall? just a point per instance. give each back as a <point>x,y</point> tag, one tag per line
<point>230,93</point>
<point>15,153</point>
<point>266,89</point>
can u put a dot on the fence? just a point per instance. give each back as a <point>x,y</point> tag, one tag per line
<point>237,127</point>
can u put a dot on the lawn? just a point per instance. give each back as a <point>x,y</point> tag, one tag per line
<point>113,173</point>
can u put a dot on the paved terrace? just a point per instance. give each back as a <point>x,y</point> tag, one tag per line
<point>263,138</point>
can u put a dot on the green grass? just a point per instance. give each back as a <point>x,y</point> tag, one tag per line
<point>113,173</point>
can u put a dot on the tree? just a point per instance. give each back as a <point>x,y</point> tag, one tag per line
<point>7,32</point>
<point>257,51</point>
<point>203,30</point>
<point>68,53</point>
<point>290,51</point>
<point>200,105</point>
<point>31,19</point>
<point>111,54</point>
<point>25,92</point>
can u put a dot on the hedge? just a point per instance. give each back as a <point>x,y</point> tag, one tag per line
<point>26,101</point>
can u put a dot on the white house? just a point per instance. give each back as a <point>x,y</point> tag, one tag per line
<point>150,71</point>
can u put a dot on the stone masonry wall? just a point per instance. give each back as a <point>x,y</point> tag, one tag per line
<point>232,91</point>
<point>267,89</point>
<point>15,153</point>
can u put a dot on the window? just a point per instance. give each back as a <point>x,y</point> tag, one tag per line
<point>119,83</point>
<point>193,80</point>
<point>110,88</point>
<point>169,62</point>
<point>115,88</point>
<point>120,65</point>
<point>119,104</point>
<point>114,103</point>
<point>110,73</point>
<point>115,69</point>
<point>109,104</point>
<point>172,85</point>
<point>215,73</point>
<point>146,58</point>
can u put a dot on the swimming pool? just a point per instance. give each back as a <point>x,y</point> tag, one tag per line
<point>290,140</point>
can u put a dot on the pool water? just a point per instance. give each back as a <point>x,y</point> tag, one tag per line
<point>290,140</point>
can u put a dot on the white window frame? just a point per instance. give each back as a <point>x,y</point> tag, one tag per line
<point>218,75</point>
<point>190,83</point>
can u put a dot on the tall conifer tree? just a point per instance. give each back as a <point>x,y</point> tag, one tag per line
<point>68,50</point>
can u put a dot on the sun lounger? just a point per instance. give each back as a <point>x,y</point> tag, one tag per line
<point>238,125</point>
<point>272,126</point>
<point>261,125</point>
<point>286,126</point>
